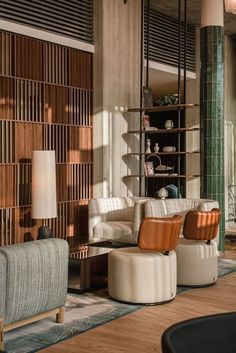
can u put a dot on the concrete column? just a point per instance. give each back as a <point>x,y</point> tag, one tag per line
<point>116,87</point>
<point>212,105</point>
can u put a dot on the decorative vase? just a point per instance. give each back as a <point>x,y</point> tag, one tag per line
<point>156,147</point>
<point>148,145</point>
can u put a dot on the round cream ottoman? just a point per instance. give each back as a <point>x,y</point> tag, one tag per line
<point>141,276</point>
<point>196,263</point>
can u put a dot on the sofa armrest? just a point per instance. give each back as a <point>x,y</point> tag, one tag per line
<point>94,216</point>
<point>3,270</point>
<point>116,209</point>
<point>37,276</point>
<point>139,214</point>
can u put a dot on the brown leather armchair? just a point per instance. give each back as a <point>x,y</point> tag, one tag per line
<point>200,225</point>
<point>160,234</point>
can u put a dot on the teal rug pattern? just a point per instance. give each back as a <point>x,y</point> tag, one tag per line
<point>83,312</point>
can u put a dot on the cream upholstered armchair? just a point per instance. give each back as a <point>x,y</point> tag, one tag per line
<point>116,218</point>
<point>146,274</point>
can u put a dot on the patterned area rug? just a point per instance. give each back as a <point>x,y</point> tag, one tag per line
<point>83,312</point>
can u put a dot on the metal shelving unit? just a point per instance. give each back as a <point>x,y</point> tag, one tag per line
<point>176,135</point>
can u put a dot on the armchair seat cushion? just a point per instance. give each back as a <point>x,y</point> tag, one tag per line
<point>196,262</point>
<point>141,276</point>
<point>119,231</point>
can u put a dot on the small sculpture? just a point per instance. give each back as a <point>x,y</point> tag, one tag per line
<point>169,124</point>
<point>162,193</point>
<point>148,145</point>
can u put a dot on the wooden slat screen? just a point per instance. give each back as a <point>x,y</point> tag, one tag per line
<point>45,103</point>
<point>72,18</point>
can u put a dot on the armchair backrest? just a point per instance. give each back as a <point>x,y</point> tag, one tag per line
<point>202,225</point>
<point>139,214</point>
<point>159,234</point>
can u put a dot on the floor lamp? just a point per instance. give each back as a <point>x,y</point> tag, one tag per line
<point>44,200</point>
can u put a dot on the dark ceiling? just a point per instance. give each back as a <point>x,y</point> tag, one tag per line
<point>170,8</point>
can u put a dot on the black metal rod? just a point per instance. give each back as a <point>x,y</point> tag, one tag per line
<point>179,50</point>
<point>185,49</point>
<point>184,83</point>
<point>179,88</point>
<point>147,46</point>
<point>141,95</point>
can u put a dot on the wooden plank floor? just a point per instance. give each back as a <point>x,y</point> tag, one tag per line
<point>141,331</point>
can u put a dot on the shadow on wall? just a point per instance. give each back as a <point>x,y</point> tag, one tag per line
<point>112,143</point>
<point>230,182</point>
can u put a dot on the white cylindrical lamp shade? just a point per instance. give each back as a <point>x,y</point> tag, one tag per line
<point>44,199</point>
<point>230,6</point>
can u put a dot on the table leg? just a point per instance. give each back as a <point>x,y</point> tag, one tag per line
<point>1,334</point>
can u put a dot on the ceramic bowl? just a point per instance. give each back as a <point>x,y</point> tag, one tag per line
<point>169,149</point>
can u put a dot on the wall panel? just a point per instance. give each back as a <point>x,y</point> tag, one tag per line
<point>45,103</point>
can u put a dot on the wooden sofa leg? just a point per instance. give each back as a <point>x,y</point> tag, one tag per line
<point>1,335</point>
<point>60,315</point>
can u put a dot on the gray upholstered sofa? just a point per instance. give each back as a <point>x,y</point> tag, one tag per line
<point>33,282</point>
<point>116,218</point>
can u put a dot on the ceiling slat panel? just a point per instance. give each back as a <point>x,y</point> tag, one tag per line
<point>70,18</point>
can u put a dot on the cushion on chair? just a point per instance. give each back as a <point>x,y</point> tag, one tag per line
<point>120,231</point>
<point>201,225</point>
<point>159,234</point>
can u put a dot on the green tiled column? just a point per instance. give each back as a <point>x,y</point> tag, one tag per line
<point>212,118</point>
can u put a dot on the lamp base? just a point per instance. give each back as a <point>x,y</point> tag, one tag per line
<point>44,232</point>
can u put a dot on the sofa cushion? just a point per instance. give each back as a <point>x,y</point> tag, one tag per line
<point>119,231</point>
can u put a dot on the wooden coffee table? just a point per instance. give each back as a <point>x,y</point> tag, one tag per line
<point>88,268</point>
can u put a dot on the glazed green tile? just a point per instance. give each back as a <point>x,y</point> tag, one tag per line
<point>218,167</point>
<point>208,163</point>
<point>219,87</point>
<point>219,71</point>
<point>209,147</point>
<point>218,128</point>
